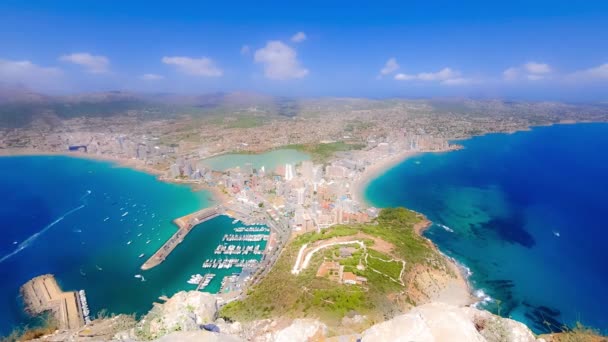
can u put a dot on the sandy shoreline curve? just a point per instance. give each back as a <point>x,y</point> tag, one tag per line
<point>134,164</point>
<point>374,171</point>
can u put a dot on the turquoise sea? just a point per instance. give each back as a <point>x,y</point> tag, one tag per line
<point>270,160</point>
<point>74,218</point>
<point>525,212</point>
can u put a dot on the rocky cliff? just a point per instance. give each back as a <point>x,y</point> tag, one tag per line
<point>192,316</point>
<point>185,316</point>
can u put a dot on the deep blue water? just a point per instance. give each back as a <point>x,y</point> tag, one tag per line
<point>529,218</point>
<point>67,214</point>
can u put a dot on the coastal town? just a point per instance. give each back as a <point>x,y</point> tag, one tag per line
<point>281,171</point>
<point>344,150</point>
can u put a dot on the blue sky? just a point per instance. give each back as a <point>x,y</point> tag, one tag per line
<point>515,49</point>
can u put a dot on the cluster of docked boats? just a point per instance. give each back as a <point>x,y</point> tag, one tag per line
<point>254,229</point>
<point>232,279</point>
<point>229,263</point>
<point>237,250</point>
<point>245,237</point>
<point>204,281</point>
<point>85,306</point>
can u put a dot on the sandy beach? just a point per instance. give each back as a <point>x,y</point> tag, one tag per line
<point>130,163</point>
<point>135,164</point>
<point>375,170</point>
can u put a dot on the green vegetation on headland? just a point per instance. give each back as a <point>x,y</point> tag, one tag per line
<point>281,293</point>
<point>321,153</point>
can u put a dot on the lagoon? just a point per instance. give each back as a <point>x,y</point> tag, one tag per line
<point>269,160</point>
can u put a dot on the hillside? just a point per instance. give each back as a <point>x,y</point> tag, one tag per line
<point>394,269</point>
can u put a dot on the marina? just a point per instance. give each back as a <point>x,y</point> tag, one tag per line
<point>225,249</point>
<point>200,281</point>
<point>229,263</point>
<point>246,237</point>
<point>255,229</point>
<point>85,306</point>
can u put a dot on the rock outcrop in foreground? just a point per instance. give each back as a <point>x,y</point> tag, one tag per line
<point>443,322</point>
<point>192,316</point>
<point>184,312</point>
<point>183,317</point>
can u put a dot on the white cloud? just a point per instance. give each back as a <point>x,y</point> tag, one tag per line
<point>457,81</point>
<point>245,50</point>
<point>596,73</point>
<point>404,77</point>
<point>532,71</point>
<point>537,68</point>
<point>280,61</point>
<point>441,75</point>
<point>203,66</point>
<point>445,76</point>
<point>151,77</point>
<point>511,74</point>
<point>298,37</point>
<point>92,63</point>
<point>28,73</point>
<point>390,66</point>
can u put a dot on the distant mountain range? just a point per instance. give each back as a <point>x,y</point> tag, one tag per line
<point>20,106</point>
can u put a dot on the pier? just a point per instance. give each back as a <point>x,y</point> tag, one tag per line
<point>185,225</point>
<point>205,281</point>
<point>42,294</point>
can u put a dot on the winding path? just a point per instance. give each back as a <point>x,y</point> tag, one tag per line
<point>303,261</point>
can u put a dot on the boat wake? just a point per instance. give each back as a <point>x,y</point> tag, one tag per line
<point>85,195</point>
<point>27,242</point>
<point>446,228</point>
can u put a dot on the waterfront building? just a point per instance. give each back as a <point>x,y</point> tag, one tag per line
<point>301,195</point>
<point>289,174</point>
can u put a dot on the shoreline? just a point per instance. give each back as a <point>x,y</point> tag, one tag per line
<point>374,171</point>
<point>134,164</point>
<point>122,162</point>
<point>460,292</point>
